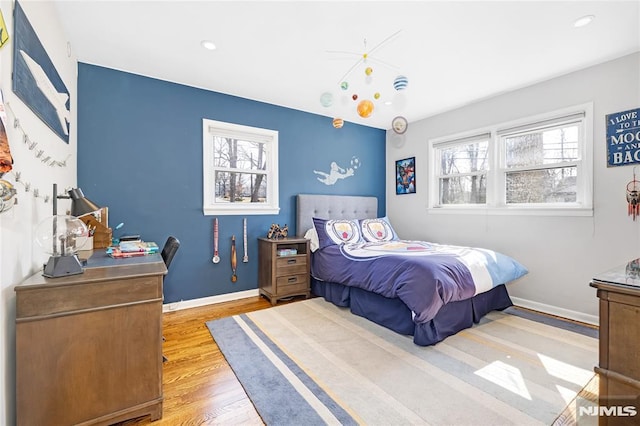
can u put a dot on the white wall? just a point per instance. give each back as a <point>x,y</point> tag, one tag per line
<point>561,253</point>
<point>19,255</point>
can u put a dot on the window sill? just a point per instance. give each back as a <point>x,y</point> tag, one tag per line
<point>513,211</point>
<point>233,210</point>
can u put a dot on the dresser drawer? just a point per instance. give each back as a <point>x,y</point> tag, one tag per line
<point>41,301</point>
<point>292,284</point>
<point>291,265</point>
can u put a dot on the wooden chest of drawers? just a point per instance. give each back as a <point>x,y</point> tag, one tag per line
<point>619,365</point>
<point>89,346</point>
<point>283,269</point>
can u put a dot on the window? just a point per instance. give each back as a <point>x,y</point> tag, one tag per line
<point>539,165</point>
<point>240,169</point>
<point>462,171</point>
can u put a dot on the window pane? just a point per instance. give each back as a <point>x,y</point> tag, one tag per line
<point>463,190</point>
<point>239,154</point>
<point>466,158</point>
<point>232,187</point>
<point>556,185</point>
<point>545,146</point>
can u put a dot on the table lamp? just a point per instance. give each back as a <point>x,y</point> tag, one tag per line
<point>61,236</point>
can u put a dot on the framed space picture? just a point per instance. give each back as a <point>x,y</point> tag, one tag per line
<point>406,176</point>
<point>36,81</point>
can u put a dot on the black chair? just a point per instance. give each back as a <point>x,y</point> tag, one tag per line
<point>168,252</point>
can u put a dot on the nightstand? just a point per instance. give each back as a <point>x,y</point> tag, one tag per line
<point>283,268</point>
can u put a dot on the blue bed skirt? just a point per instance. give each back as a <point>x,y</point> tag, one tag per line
<point>395,315</point>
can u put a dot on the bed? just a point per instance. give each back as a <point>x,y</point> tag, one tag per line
<point>429,291</point>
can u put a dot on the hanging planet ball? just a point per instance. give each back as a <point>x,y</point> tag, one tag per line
<point>368,70</point>
<point>376,95</point>
<point>400,83</point>
<point>365,108</point>
<point>326,99</point>
<point>354,96</point>
<point>344,85</point>
<point>338,123</point>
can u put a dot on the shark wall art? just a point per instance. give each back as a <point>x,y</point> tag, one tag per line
<point>35,79</point>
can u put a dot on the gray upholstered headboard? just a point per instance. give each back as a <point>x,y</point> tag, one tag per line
<point>332,207</point>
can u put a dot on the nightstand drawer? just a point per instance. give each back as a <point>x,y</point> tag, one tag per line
<point>292,284</point>
<point>291,265</point>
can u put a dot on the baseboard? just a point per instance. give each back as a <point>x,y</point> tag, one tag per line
<point>554,310</point>
<point>529,304</point>
<point>194,303</point>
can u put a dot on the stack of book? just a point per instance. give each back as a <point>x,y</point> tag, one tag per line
<point>287,252</point>
<point>133,248</point>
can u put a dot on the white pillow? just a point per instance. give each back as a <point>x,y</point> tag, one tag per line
<point>312,236</point>
<point>336,231</point>
<point>379,229</point>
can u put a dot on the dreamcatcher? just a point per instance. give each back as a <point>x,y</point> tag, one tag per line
<point>633,197</point>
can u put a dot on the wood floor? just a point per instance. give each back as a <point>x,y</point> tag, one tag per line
<point>199,386</point>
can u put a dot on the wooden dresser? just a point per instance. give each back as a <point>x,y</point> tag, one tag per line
<point>281,273</point>
<point>619,364</point>
<point>89,346</point>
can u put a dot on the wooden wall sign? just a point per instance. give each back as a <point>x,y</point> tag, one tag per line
<point>623,138</point>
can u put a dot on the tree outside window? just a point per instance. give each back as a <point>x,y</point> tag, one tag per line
<point>240,169</point>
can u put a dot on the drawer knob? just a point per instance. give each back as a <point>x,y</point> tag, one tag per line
<point>291,261</point>
<point>292,279</point>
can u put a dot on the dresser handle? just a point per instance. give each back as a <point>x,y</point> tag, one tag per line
<point>292,279</point>
<point>291,261</point>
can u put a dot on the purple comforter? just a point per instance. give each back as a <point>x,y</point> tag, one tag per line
<point>424,276</point>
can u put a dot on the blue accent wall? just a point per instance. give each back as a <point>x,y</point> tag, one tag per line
<point>140,154</point>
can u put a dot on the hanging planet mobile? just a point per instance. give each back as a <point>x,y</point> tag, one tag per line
<point>399,125</point>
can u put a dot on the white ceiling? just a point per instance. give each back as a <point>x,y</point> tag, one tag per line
<point>284,53</point>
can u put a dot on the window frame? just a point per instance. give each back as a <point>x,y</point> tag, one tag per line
<point>212,128</point>
<point>475,138</point>
<point>497,171</point>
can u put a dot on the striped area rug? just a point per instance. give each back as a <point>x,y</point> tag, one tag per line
<point>311,362</point>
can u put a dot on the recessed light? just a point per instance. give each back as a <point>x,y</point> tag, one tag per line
<point>585,20</point>
<point>208,44</point>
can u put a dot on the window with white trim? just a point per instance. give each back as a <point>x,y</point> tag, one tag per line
<point>462,170</point>
<point>542,163</point>
<point>240,169</point>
